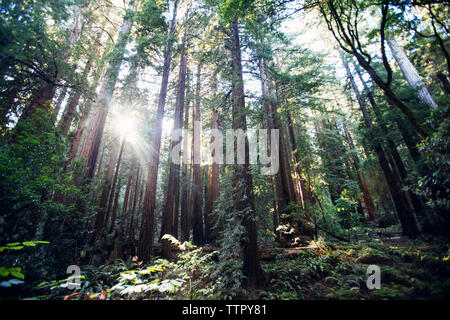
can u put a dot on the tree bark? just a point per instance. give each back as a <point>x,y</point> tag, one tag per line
<point>171,205</point>
<point>146,232</point>
<point>99,222</point>
<point>110,210</point>
<point>197,198</point>
<point>185,173</point>
<point>242,181</point>
<point>213,190</point>
<point>283,182</point>
<point>410,73</point>
<point>397,162</point>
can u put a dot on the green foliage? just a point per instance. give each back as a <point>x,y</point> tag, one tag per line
<point>228,270</point>
<point>339,272</point>
<point>20,245</point>
<point>231,10</point>
<point>151,32</point>
<point>189,276</point>
<point>435,186</point>
<point>15,272</point>
<point>32,188</point>
<point>347,213</point>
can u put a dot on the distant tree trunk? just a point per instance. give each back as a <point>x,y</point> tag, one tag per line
<point>85,109</point>
<point>213,190</point>
<point>170,210</point>
<point>406,216</point>
<point>146,232</point>
<point>242,180</point>
<point>138,190</point>
<point>99,221</point>
<point>302,193</point>
<point>41,100</point>
<point>77,137</point>
<point>410,73</point>
<point>368,203</point>
<point>197,213</point>
<point>96,126</point>
<point>185,174</point>
<point>397,162</point>
<point>126,203</point>
<point>331,153</point>
<point>133,201</point>
<point>283,181</point>
<point>115,207</point>
<point>110,210</point>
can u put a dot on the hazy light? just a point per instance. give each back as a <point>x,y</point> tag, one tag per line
<point>127,127</point>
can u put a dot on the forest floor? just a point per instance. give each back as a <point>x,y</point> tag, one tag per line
<point>410,269</point>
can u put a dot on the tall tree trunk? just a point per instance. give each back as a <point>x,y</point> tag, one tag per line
<point>77,137</point>
<point>97,121</point>
<point>115,208</point>
<point>242,181</point>
<point>136,204</point>
<point>302,193</point>
<point>110,211</point>
<point>170,210</point>
<point>406,216</point>
<point>410,73</point>
<point>126,203</point>
<point>185,173</point>
<point>197,199</point>
<point>146,232</point>
<point>283,182</point>
<point>85,109</point>
<point>397,162</point>
<point>213,190</point>
<point>99,221</point>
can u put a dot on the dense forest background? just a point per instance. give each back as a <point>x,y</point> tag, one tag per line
<point>93,92</point>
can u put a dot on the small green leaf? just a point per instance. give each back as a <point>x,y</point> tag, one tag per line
<point>4,272</point>
<point>15,248</point>
<point>13,244</point>
<point>29,244</point>
<point>41,241</point>
<point>17,274</point>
